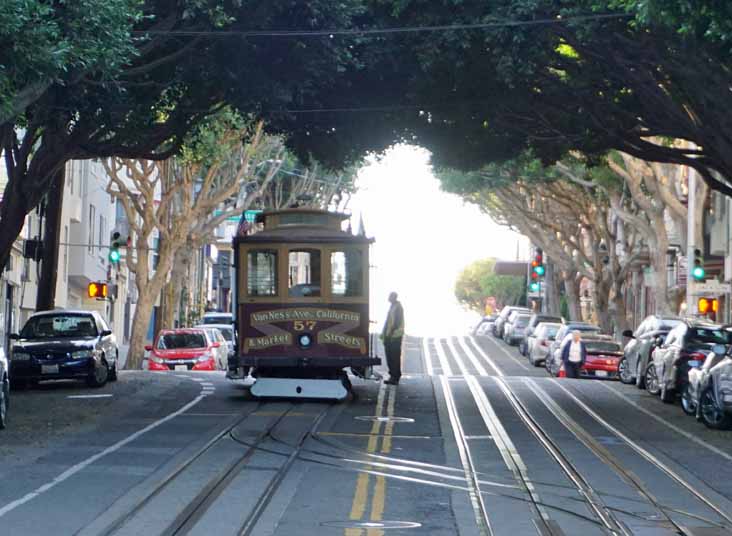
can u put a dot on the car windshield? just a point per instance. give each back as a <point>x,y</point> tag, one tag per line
<point>709,335</point>
<point>602,346</point>
<point>59,326</point>
<point>227,333</point>
<point>521,321</point>
<point>173,341</point>
<point>550,331</point>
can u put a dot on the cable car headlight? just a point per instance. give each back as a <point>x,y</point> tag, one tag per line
<point>305,340</point>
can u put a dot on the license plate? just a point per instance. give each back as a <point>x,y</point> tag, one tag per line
<point>49,369</point>
<point>694,364</point>
<point>601,373</point>
<point>180,368</point>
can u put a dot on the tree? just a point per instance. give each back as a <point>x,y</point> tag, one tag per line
<point>177,201</point>
<point>478,281</point>
<point>161,90</point>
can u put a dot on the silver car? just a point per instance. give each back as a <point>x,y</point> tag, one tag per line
<point>213,333</point>
<point>637,352</point>
<point>503,317</point>
<point>227,330</point>
<point>708,395</point>
<point>514,329</point>
<point>539,341</point>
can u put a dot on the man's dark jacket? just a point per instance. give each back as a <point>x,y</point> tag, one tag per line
<point>565,353</point>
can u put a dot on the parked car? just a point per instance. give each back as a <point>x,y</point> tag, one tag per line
<point>535,320</point>
<point>592,339</point>
<point>566,329</point>
<point>215,334</point>
<point>637,352</point>
<point>64,344</point>
<point>603,357</point>
<point>515,327</point>
<point>216,317</point>
<point>503,317</point>
<point>4,389</point>
<point>485,325</point>
<point>708,395</point>
<point>686,346</point>
<point>183,349</point>
<point>539,341</point>
<point>227,331</point>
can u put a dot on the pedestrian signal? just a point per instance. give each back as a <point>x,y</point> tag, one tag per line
<point>698,272</point>
<point>707,305</point>
<point>97,290</point>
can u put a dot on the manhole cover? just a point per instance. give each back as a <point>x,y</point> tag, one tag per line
<point>384,525</point>
<point>373,418</point>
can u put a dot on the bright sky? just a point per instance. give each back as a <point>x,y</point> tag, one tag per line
<point>424,238</point>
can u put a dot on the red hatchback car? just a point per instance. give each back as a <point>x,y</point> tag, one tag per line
<point>603,358</point>
<point>182,349</point>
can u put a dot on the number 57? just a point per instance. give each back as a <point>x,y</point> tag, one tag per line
<point>300,325</point>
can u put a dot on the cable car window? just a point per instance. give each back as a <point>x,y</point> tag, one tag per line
<point>347,273</point>
<point>304,273</point>
<point>262,271</point>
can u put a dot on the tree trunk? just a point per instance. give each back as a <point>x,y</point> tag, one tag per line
<point>600,297</point>
<point>572,291</point>
<point>620,313</point>
<point>552,282</point>
<point>46,297</point>
<point>13,210</point>
<point>140,324</point>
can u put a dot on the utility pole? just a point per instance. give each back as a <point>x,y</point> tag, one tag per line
<point>46,296</point>
<point>690,240</point>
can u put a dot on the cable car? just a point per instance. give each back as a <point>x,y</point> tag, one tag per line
<point>302,306</point>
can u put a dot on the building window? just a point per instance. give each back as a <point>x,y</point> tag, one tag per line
<point>262,273</point>
<point>346,273</point>
<point>102,231</point>
<point>92,218</point>
<point>304,272</point>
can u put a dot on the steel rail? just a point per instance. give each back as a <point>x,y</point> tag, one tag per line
<point>592,498</point>
<point>274,484</point>
<point>653,460</point>
<point>169,478</point>
<point>476,497</point>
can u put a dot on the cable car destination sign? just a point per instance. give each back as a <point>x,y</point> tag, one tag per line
<point>305,319</point>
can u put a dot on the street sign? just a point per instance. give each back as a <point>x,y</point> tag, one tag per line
<point>249,215</point>
<point>711,287</point>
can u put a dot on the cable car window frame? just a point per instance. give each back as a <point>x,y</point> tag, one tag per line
<point>247,252</point>
<point>362,261</point>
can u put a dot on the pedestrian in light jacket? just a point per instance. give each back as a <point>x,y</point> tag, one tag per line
<point>392,337</point>
<point>574,354</point>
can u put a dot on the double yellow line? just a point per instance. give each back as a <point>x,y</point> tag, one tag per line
<point>386,397</point>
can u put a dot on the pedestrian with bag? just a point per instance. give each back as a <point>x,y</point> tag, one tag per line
<point>574,354</point>
<point>392,338</point>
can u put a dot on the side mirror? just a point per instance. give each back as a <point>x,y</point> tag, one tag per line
<point>106,332</point>
<point>216,344</point>
<point>628,333</point>
<point>148,347</point>
<point>719,349</point>
<point>13,336</point>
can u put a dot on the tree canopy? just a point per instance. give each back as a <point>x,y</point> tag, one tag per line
<point>478,281</point>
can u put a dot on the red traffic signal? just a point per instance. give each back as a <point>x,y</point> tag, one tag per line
<point>97,290</point>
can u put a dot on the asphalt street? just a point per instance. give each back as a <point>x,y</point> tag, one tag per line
<point>474,441</point>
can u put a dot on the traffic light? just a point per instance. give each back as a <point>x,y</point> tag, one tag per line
<point>534,286</point>
<point>537,265</point>
<point>698,272</point>
<point>97,290</point>
<point>115,243</point>
<point>707,305</point>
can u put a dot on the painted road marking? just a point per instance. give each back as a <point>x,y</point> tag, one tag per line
<point>427,359</point>
<point>487,359</point>
<point>75,397</point>
<point>444,363</point>
<point>360,497</point>
<point>71,471</point>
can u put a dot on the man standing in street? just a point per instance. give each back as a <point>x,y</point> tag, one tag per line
<point>574,354</point>
<point>392,337</point>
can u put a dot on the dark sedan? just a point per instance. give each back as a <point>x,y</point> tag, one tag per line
<point>60,345</point>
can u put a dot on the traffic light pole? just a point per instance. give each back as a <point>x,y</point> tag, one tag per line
<point>690,243</point>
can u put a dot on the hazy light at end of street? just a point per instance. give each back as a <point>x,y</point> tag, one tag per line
<point>424,238</point>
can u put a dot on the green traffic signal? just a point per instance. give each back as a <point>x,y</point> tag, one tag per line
<point>534,286</point>
<point>698,273</point>
<point>114,255</point>
<point>539,270</point>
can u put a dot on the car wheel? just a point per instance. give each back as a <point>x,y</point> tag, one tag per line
<point>652,385</point>
<point>687,401</point>
<point>668,396</point>
<point>640,379</point>
<point>4,403</point>
<point>99,376</point>
<point>712,415</point>
<point>624,372</point>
